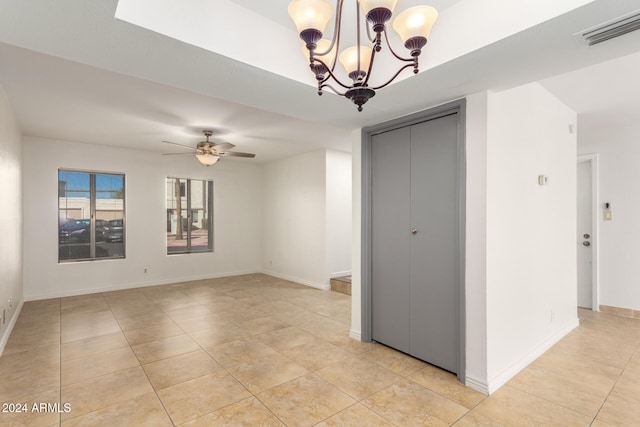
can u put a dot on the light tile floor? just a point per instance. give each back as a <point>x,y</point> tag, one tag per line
<point>258,351</point>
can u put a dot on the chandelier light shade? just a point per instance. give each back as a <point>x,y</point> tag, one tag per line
<point>311,18</point>
<point>349,60</point>
<point>368,5</point>
<point>415,22</point>
<point>310,14</point>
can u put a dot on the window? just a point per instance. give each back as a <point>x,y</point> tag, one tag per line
<point>189,216</point>
<point>90,215</point>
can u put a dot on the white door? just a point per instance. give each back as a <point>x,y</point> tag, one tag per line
<point>584,236</point>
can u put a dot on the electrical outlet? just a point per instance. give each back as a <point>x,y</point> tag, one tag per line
<point>146,271</point>
<point>553,316</point>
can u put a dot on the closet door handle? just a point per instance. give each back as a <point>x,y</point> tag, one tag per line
<point>414,231</point>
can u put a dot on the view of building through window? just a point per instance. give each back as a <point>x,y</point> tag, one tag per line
<point>189,216</point>
<point>91,215</point>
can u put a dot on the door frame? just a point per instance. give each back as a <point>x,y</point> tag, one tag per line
<point>455,107</point>
<point>592,159</point>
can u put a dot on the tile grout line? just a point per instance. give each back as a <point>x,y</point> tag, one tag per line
<point>309,372</point>
<point>614,384</point>
<point>213,357</point>
<point>253,395</point>
<point>140,362</point>
<point>352,355</point>
<point>110,373</point>
<point>551,401</point>
<point>626,367</point>
<point>406,377</point>
<point>566,407</point>
<point>129,344</point>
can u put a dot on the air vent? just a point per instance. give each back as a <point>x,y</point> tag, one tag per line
<point>612,29</point>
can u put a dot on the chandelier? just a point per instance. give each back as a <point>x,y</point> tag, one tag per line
<point>311,18</point>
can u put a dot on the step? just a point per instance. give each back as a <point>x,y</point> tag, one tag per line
<point>341,284</point>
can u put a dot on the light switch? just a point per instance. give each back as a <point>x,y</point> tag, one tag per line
<point>606,213</point>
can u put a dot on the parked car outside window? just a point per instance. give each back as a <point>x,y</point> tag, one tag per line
<point>113,231</point>
<point>78,231</point>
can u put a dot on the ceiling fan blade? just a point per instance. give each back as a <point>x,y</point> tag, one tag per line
<point>223,146</point>
<point>236,154</point>
<point>180,145</point>
<point>177,154</point>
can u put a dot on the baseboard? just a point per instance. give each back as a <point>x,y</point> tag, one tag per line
<point>136,285</point>
<point>75,292</point>
<point>477,384</point>
<point>502,378</point>
<point>324,287</point>
<point>356,335</point>
<point>9,328</point>
<point>620,311</point>
<point>340,274</point>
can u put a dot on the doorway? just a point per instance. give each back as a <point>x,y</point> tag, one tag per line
<point>413,236</point>
<point>587,232</point>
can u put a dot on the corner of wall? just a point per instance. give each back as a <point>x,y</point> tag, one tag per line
<point>538,350</point>
<point>356,237</point>
<point>11,286</point>
<point>476,241</point>
<point>531,283</point>
<point>12,323</point>
<point>294,219</point>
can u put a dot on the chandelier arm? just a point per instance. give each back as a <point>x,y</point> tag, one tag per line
<point>331,75</point>
<point>392,78</point>
<point>386,39</point>
<point>332,89</point>
<point>371,39</point>
<point>373,57</point>
<point>358,34</point>
<point>336,30</point>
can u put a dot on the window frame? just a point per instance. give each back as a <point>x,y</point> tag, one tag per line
<point>185,183</point>
<point>92,214</point>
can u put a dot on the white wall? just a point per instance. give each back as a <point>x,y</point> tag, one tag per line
<point>476,241</point>
<point>531,252</point>
<point>10,218</point>
<point>619,173</point>
<point>294,244</point>
<point>338,205</point>
<point>356,236</point>
<point>237,225</point>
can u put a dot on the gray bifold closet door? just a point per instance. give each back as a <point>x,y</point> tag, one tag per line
<point>414,240</point>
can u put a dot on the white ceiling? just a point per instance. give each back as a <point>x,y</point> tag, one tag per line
<point>74,72</point>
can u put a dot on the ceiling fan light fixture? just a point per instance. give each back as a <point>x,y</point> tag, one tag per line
<point>207,159</point>
<point>208,152</point>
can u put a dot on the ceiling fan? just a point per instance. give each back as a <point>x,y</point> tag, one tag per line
<point>208,152</point>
